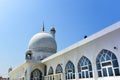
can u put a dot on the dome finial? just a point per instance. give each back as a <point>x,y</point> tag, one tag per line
<point>43,29</point>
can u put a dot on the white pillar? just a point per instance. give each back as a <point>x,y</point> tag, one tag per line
<point>28,72</point>
<point>76,71</point>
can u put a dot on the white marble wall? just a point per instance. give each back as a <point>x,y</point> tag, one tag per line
<point>90,50</point>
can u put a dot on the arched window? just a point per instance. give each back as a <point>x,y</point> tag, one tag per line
<point>107,64</point>
<point>36,75</point>
<point>70,70</point>
<point>59,69</point>
<point>85,68</point>
<point>50,71</point>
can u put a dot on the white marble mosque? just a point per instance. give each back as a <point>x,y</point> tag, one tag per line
<point>96,57</point>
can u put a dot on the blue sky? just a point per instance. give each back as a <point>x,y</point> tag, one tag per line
<point>21,19</point>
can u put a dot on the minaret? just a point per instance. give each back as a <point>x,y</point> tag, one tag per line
<point>10,69</point>
<point>43,29</point>
<point>53,31</point>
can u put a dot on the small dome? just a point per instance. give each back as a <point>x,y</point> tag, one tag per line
<point>43,42</point>
<point>52,29</point>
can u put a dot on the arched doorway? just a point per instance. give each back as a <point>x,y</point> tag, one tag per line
<point>36,75</point>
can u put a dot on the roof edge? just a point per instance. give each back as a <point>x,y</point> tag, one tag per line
<point>16,68</point>
<point>103,32</point>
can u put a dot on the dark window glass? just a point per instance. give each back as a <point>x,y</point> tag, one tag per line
<point>97,61</point>
<point>104,55</point>
<point>66,76</point>
<point>83,76</point>
<point>110,71</point>
<point>91,75</point>
<point>99,74</point>
<point>59,69</point>
<point>84,68</point>
<point>107,57</point>
<point>89,62</point>
<point>50,71</point>
<point>79,69</point>
<point>115,63</point>
<point>116,72</point>
<point>109,53</point>
<point>104,72</point>
<point>82,64</point>
<point>102,59</point>
<point>106,64</point>
<point>90,68</point>
<point>79,75</point>
<point>104,51</point>
<point>113,57</point>
<point>85,63</point>
<point>73,70</point>
<point>87,74</point>
<point>73,76</point>
<point>69,70</point>
<point>98,66</point>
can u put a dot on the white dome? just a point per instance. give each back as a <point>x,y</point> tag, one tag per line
<point>43,42</point>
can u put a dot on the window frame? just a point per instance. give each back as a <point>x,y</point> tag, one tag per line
<point>71,74</point>
<point>105,57</point>
<point>85,73</point>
